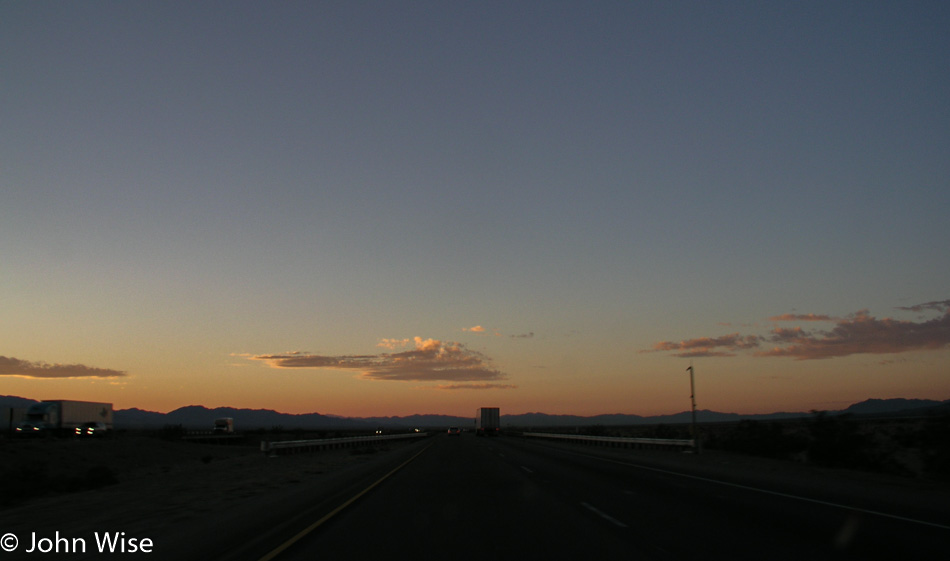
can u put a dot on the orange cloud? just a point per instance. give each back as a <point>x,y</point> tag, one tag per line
<point>476,329</point>
<point>10,366</point>
<point>429,360</point>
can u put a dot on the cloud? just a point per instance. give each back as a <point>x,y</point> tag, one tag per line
<point>938,306</point>
<point>859,333</point>
<point>482,331</point>
<point>429,360</point>
<point>789,335</point>
<point>863,334</point>
<point>10,366</point>
<point>475,387</point>
<point>706,346</point>
<point>802,317</point>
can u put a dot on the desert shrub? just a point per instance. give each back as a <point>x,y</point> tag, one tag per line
<point>837,442</point>
<point>172,432</point>
<point>666,431</point>
<point>595,430</point>
<point>935,446</point>
<point>756,438</point>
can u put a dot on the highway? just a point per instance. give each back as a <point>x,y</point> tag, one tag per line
<point>474,498</point>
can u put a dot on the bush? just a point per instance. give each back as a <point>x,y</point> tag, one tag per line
<point>836,442</point>
<point>935,447</point>
<point>756,438</point>
<point>595,430</point>
<point>666,431</point>
<point>172,432</point>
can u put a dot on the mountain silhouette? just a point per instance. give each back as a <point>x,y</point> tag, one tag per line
<point>202,418</point>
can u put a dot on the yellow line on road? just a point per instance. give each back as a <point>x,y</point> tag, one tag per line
<point>280,549</point>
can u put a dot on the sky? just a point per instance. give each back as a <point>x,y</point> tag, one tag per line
<point>389,208</point>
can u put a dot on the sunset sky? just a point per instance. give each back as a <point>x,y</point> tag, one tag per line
<point>388,208</point>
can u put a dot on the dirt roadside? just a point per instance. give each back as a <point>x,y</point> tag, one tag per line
<point>182,496</point>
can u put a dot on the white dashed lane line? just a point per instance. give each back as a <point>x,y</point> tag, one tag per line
<point>603,515</point>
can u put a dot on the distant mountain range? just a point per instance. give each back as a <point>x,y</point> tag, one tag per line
<point>199,417</point>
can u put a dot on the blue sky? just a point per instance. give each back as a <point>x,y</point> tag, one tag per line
<point>189,188</point>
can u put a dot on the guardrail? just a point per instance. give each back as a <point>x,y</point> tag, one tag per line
<point>618,441</point>
<point>279,447</point>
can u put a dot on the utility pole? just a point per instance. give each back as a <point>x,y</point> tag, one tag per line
<point>697,445</point>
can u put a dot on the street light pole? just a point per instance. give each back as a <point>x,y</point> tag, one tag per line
<point>697,446</point>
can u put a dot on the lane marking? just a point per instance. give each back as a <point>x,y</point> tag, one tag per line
<point>768,492</point>
<point>527,469</point>
<point>603,515</point>
<point>337,510</point>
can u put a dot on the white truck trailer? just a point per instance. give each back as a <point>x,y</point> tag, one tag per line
<point>62,416</point>
<point>224,425</point>
<point>487,421</point>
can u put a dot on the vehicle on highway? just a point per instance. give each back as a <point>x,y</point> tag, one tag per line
<point>26,428</point>
<point>487,421</point>
<point>63,416</point>
<point>92,428</point>
<point>224,425</point>
<point>454,431</point>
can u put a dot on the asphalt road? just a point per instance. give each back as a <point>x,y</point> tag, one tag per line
<point>507,498</point>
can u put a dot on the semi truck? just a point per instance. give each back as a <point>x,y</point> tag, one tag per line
<point>10,417</point>
<point>224,425</point>
<point>61,416</point>
<point>487,421</point>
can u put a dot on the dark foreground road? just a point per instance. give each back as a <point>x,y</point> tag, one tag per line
<point>508,498</point>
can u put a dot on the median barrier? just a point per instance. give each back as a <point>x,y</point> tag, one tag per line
<point>280,447</point>
<point>618,441</point>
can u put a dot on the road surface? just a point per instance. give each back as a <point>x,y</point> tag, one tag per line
<point>464,497</point>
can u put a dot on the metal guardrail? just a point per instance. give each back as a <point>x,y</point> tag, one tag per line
<point>278,447</point>
<point>618,441</point>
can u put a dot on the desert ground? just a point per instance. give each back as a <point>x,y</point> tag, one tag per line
<point>168,490</point>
